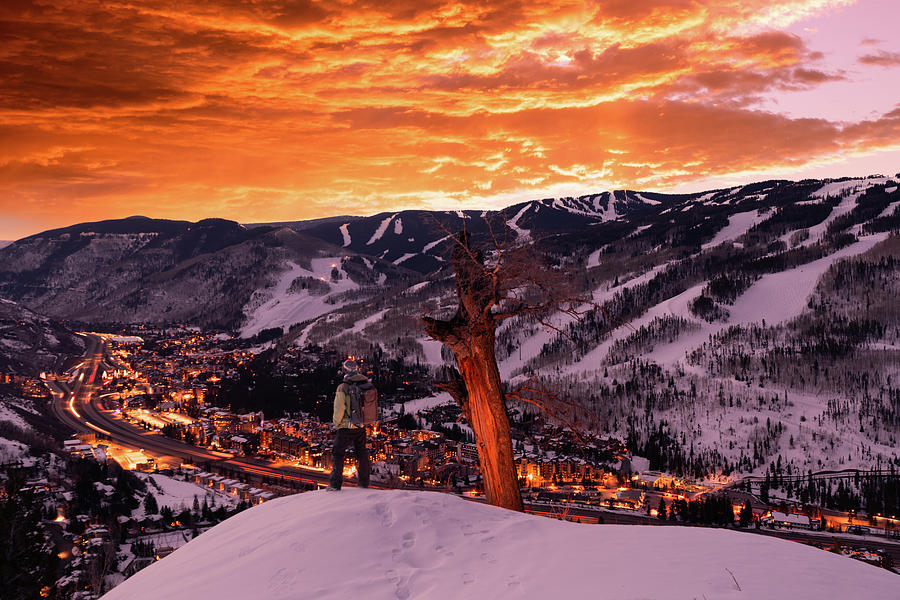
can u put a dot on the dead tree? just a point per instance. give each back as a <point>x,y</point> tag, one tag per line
<point>512,283</point>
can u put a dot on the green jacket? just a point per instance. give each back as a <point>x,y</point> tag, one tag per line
<point>341,416</point>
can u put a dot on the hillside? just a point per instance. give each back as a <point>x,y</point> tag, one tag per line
<point>213,273</point>
<point>725,333</point>
<point>402,544</point>
<point>729,333</point>
<point>31,343</point>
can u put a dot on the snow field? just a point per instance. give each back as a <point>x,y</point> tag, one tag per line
<point>404,258</point>
<point>404,544</point>
<point>11,416</point>
<point>738,225</point>
<point>178,494</point>
<point>282,309</point>
<point>521,234</point>
<point>420,404</point>
<point>11,450</point>
<point>371,319</point>
<point>775,298</point>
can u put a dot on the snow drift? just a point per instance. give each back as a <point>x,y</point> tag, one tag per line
<point>403,544</point>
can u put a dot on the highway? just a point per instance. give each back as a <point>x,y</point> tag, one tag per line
<point>79,406</point>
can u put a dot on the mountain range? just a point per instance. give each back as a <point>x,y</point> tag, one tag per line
<point>725,329</point>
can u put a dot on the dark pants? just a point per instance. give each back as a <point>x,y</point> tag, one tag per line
<point>346,437</point>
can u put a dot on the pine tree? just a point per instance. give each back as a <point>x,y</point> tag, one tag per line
<point>150,505</point>
<point>746,514</point>
<point>27,562</point>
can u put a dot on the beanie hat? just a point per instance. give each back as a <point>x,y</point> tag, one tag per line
<point>351,366</point>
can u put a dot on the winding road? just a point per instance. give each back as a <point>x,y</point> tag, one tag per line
<point>78,405</point>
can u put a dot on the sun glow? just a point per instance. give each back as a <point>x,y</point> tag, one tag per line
<point>263,113</point>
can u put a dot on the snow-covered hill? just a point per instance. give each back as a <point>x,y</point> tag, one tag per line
<point>408,545</point>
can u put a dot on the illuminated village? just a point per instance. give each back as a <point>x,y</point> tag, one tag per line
<point>165,393</point>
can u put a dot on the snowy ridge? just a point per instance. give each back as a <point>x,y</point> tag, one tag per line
<point>590,206</point>
<point>837,188</point>
<point>775,298</point>
<point>576,206</point>
<point>345,233</point>
<point>405,544</point>
<point>652,202</point>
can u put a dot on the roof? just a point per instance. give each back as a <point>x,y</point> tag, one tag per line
<point>790,518</point>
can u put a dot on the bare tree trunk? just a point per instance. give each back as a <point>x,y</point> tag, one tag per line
<point>487,415</point>
<point>470,334</point>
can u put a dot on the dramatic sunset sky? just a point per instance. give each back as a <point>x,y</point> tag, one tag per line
<point>272,110</point>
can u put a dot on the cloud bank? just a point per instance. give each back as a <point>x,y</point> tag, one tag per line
<point>275,109</point>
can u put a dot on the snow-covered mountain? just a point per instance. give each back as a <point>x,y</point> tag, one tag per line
<point>213,273</point>
<point>419,239</point>
<point>403,544</point>
<point>729,329</point>
<point>726,329</point>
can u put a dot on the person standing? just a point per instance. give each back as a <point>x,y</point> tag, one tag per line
<point>348,433</point>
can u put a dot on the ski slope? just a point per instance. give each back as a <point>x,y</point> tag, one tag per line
<point>738,225</point>
<point>282,309</point>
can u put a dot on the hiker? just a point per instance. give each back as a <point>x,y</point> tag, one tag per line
<point>355,406</point>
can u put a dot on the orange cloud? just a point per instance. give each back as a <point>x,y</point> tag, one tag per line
<point>276,110</point>
<point>881,59</point>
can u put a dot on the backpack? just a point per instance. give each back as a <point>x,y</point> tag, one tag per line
<point>363,403</point>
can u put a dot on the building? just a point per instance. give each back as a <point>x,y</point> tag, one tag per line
<point>467,453</point>
<point>788,520</point>
<point>629,498</point>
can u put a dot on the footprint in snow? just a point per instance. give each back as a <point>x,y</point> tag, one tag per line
<point>282,582</point>
<point>402,593</point>
<point>385,514</point>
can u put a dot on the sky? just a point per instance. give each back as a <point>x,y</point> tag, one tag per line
<point>275,110</point>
